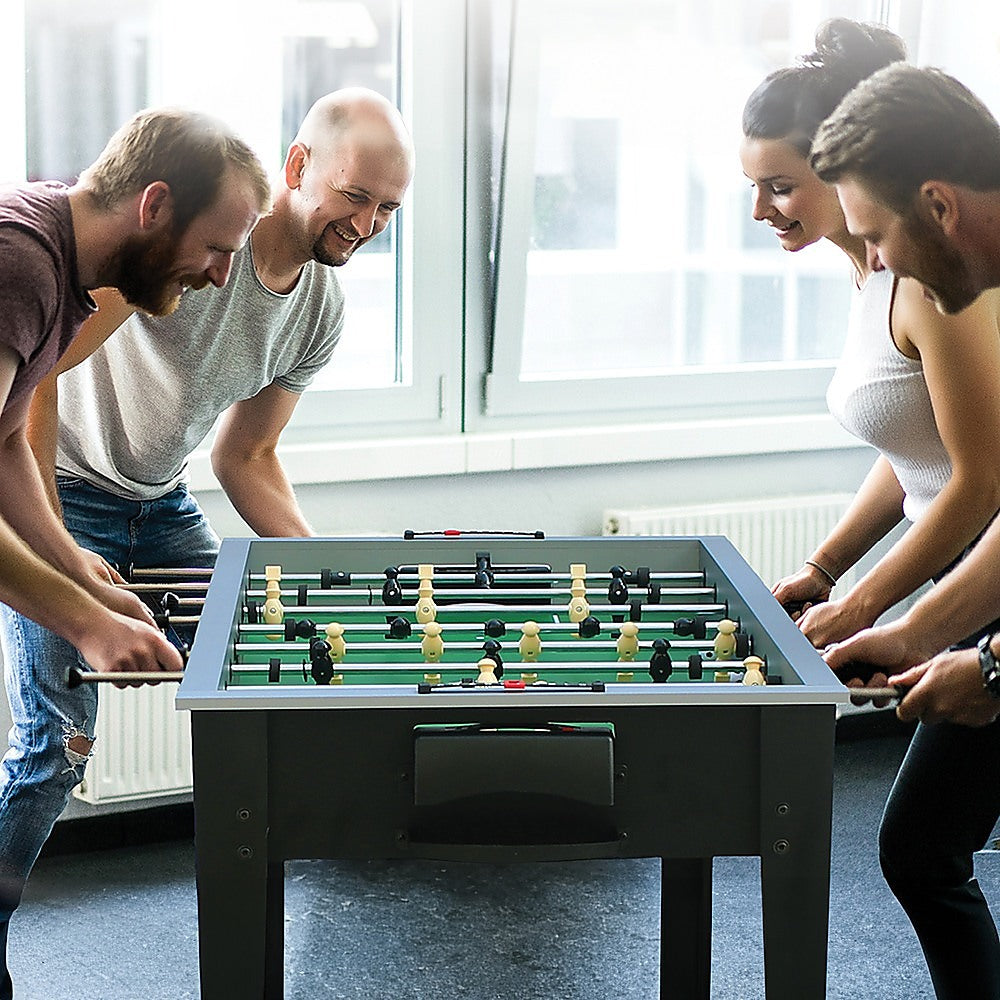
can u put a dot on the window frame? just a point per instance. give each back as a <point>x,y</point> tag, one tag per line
<point>508,401</point>
<point>426,231</point>
<point>465,410</point>
<point>429,243</point>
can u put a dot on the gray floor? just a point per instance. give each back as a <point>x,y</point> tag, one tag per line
<point>120,924</point>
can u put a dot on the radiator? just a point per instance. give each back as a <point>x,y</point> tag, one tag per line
<point>143,746</point>
<point>774,536</point>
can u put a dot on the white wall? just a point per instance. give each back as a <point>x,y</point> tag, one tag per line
<point>565,501</point>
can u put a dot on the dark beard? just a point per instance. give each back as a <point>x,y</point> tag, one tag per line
<point>944,271</point>
<point>143,271</point>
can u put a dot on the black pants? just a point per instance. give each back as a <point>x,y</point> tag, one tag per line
<point>942,808</point>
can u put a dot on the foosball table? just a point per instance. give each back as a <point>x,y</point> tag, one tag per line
<point>508,698</point>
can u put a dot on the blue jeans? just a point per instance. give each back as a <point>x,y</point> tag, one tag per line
<point>53,726</point>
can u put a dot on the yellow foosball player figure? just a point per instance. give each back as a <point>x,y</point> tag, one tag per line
<point>753,674</point>
<point>579,608</point>
<point>335,640</point>
<point>725,641</point>
<point>432,645</point>
<point>530,644</point>
<point>426,610</point>
<point>487,675</point>
<point>628,641</point>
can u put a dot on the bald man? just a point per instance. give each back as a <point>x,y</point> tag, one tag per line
<point>247,352</point>
<point>131,410</point>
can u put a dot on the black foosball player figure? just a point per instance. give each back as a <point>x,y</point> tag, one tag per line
<point>169,604</point>
<point>693,627</point>
<point>618,589</point>
<point>495,628</point>
<point>299,628</point>
<point>320,660</point>
<point>399,628</point>
<point>392,592</point>
<point>695,667</point>
<point>660,665</point>
<point>483,576</point>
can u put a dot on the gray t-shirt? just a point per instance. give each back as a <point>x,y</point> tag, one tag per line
<point>132,413</point>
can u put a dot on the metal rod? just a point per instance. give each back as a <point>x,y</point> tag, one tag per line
<point>75,676</point>
<point>176,573</point>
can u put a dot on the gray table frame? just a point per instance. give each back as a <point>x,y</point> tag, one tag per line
<point>701,770</point>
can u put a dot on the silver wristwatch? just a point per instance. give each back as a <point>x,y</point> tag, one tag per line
<point>990,666</point>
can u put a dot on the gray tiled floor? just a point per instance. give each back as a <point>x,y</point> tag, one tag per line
<point>121,924</point>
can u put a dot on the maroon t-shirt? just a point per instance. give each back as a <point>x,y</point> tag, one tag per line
<point>42,304</point>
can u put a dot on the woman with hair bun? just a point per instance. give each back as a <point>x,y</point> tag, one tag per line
<point>924,388</point>
<point>907,374</point>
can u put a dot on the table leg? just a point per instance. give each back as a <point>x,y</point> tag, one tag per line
<point>795,921</point>
<point>274,931</point>
<point>236,883</point>
<point>686,928</point>
<point>796,815</point>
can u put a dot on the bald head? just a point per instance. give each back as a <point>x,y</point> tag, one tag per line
<point>356,115</point>
<point>345,174</point>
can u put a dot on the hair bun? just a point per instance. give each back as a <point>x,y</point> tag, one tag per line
<point>791,102</point>
<point>853,50</point>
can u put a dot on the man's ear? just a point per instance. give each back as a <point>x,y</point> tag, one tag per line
<point>156,206</point>
<point>295,164</point>
<point>938,202</point>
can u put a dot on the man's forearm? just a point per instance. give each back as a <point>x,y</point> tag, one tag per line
<point>965,600</point>
<point>43,434</point>
<point>25,507</point>
<point>263,496</point>
<point>29,584</point>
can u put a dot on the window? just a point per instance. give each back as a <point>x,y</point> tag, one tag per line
<point>89,67</point>
<point>577,246</point>
<point>630,276</point>
<point>339,45</point>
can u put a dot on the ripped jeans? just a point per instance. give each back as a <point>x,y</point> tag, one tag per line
<point>53,725</point>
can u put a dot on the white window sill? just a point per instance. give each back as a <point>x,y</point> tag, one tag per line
<point>458,454</point>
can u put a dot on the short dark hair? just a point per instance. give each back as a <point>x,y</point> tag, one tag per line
<point>791,103</point>
<point>904,126</point>
<point>187,150</point>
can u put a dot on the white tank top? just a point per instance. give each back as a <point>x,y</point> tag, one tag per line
<point>880,396</point>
